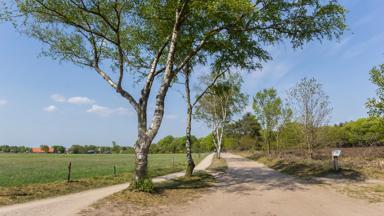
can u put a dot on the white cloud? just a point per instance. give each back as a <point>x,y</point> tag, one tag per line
<point>107,111</point>
<point>58,98</point>
<point>272,70</point>
<point>121,111</point>
<point>3,103</point>
<point>80,100</point>
<point>50,108</point>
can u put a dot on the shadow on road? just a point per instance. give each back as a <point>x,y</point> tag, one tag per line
<point>245,175</point>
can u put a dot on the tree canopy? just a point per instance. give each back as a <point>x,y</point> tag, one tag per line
<point>130,42</point>
<point>376,105</point>
<point>268,109</point>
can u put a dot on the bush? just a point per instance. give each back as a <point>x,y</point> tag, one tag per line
<point>144,185</point>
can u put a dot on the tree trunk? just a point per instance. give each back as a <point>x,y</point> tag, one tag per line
<point>219,142</point>
<point>141,147</point>
<point>309,144</point>
<point>146,135</point>
<point>191,163</point>
<point>218,151</point>
<point>188,143</point>
<point>141,164</point>
<point>268,143</point>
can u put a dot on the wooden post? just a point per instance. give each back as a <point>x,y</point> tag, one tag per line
<point>69,171</point>
<point>335,163</point>
<point>173,161</point>
<point>114,170</point>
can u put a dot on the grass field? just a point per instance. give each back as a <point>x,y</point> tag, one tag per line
<point>24,169</point>
<point>26,177</point>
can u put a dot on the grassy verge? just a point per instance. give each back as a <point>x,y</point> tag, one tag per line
<point>218,165</point>
<point>353,168</point>
<point>371,192</point>
<point>29,190</point>
<point>167,194</point>
<point>306,168</point>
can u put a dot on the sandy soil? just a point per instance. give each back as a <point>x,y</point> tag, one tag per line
<point>250,188</point>
<point>72,204</point>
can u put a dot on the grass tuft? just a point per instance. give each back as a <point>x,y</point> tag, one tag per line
<point>218,165</point>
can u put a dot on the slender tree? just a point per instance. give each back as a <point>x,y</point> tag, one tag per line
<point>376,105</point>
<point>221,102</point>
<point>188,128</point>
<point>311,108</point>
<point>268,109</point>
<point>284,121</point>
<point>130,41</point>
<point>190,105</point>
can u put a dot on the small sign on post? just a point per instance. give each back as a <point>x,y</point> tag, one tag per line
<point>335,158</point>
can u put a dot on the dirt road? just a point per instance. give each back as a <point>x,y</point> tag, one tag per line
<point>249,188</point>
<point>72,204</point>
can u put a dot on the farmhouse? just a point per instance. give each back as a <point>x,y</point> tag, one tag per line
<point>40,150</point>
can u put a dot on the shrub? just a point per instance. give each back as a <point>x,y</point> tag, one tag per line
<point>144,185</point>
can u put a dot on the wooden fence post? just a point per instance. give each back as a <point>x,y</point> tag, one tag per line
<point>69,171</point>
<point>114,170</point>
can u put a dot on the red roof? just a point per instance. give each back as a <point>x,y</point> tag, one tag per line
<point>40,150</point>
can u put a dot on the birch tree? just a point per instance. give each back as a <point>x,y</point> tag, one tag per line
<point>220,103</point>
<point>190,106</point>
<point>311,107</point>
<point>133,44</point>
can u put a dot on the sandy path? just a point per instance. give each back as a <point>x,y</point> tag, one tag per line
<point>72,204</point>
<point>249,188</point>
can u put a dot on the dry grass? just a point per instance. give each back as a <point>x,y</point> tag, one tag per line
<point>218,165</point>
<point>373,193</point>
<point>355,169</point>
<point>352,168</point>
<point>167,194</point>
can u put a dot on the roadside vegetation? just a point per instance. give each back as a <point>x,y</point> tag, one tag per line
<point>354,164</point>
<point>25,177</point>
<point>166,195</point>
<point>218,165</point>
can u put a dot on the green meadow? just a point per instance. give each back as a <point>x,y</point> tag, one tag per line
<point>25,169</point>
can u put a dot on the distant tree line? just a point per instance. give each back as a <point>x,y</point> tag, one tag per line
<point>170,144</point>
<point>14,149</point>
<point>246,134</point>
<point>93,149</point>
<point>74,149</point>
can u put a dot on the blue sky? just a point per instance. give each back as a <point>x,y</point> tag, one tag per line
<point>43,101</point>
